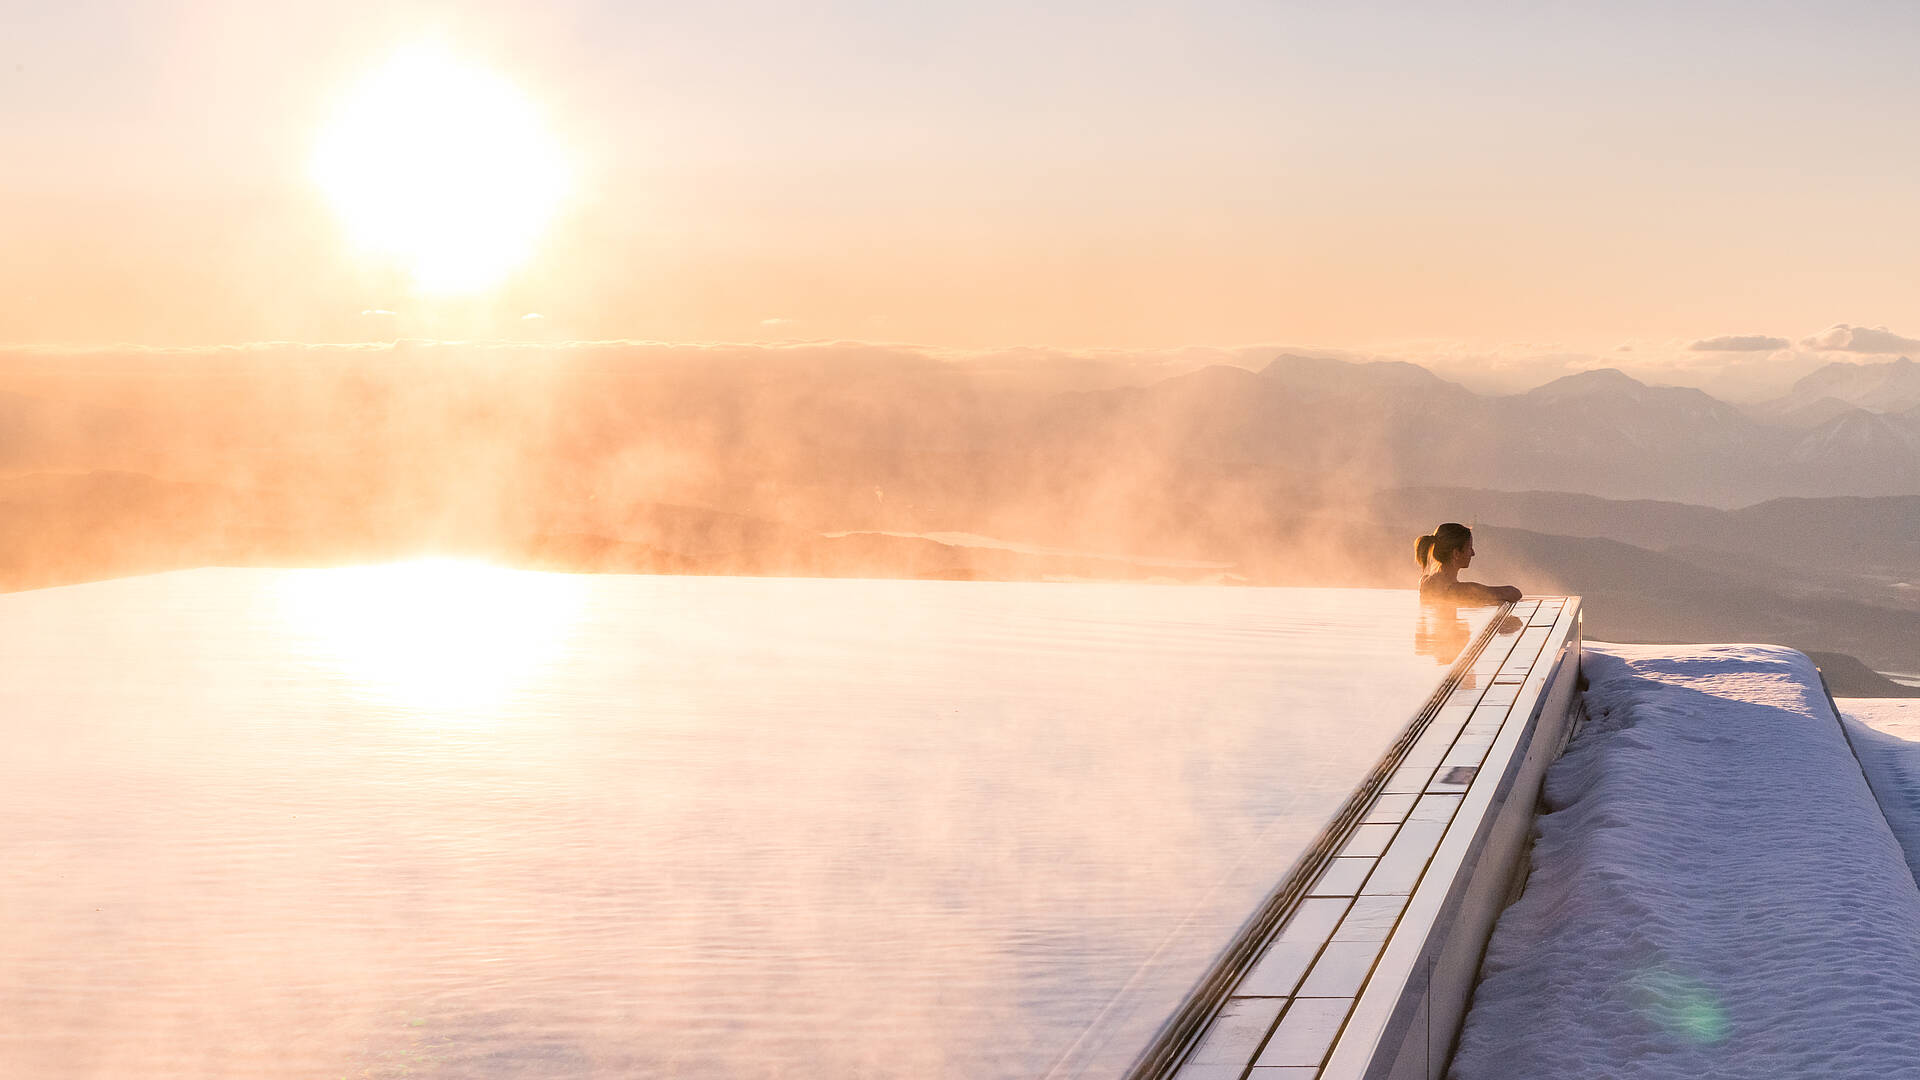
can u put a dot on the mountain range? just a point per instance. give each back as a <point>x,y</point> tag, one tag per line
<point>1680,516</point>
<point>1600,432</point>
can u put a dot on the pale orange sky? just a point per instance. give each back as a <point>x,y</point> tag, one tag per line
<point>1138,176</point>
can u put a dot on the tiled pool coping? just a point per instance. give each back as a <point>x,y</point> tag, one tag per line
<point>1369,972</point>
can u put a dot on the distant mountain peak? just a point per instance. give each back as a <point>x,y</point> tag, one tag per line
<point>1302,364</point>
<point>1588,383</point>
<point>1606,376</point>
<point>1857,438</point>
<point>1888,386</point>
<point>1223,376</point>
<point>1330,372</point>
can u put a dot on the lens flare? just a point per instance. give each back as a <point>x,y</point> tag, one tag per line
<point>1680,1006</point>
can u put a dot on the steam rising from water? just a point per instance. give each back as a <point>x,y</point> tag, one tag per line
<point>625,456</point>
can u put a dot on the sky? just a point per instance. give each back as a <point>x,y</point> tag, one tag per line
<point>1477,181</point>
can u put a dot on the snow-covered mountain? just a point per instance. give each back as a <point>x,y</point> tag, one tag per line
<point>1889,387</point>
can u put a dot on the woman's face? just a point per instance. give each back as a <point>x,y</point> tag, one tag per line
<point>1463,556</point>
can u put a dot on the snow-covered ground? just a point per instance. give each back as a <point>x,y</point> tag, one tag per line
<point>1714,891</point>
<point>1885,733</point>
<point>1893,716</point>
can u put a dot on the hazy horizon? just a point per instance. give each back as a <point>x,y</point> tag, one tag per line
<point>1699,197</point>
<point>1731,368</point>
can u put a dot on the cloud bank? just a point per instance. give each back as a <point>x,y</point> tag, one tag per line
<point>1739,343</point>
<point>1862,339</point>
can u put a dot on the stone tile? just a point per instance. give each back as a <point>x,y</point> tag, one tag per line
<point>1400,868</point>
<point>1368,841</point>
<point>1435,808</point>
<point>1494,713</point>
<point>1408,780</point>
<point>1518,668</point>
<point>1480,735</point>
<point>1236,1032</point>
<point>1195,1071</point>
<point>1306,1032</point>
<point>1501,694</point>
<point>1371,918</point>
<point>1433,742</point>
<point>1489,661</point>
<point>1527,651</point>
<point>1279,970</point>
<point>1453,779</point>
<point>1389,809</point>
<point>1468,750</point>
<point>1488,724</point>
<point>1341,969</point>
<point>1341,878</point>
<point>1313,920</point>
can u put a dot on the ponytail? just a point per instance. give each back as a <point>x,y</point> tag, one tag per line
<point>1441,543</point>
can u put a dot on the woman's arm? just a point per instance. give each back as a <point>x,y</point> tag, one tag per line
<point>1472,592</point>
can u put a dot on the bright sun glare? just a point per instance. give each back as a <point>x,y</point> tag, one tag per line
<point>437,634</point>
<point>444,167</point>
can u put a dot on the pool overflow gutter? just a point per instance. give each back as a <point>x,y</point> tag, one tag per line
<point>1361,962</point>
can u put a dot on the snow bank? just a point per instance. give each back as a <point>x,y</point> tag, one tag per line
<point>1714,892</point>
<point>1882,730</point>
<point>1892,715</point>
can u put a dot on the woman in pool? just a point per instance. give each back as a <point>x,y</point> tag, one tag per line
<point>1443,553</point>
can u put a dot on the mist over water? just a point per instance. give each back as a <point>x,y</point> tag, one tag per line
<point>266,824</point>
<point>844,459</point>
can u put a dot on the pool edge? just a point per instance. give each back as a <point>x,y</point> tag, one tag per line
<point>1408,1020</point>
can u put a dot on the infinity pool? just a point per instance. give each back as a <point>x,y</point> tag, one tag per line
<point>443,820</point>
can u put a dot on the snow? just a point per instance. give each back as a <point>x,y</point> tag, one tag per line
<point>1883,733</point>
<point>1893,716</point>
<point>1714,892</point>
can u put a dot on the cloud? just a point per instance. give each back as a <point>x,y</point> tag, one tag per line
<point>375,311</point>
<point>776,322</point>
<point>1862,339</point>
<point>532,315</point>
<point>1740,343</point>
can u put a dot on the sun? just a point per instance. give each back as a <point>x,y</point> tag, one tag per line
<point>443,167</point>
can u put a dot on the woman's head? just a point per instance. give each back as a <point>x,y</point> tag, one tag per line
<point>1450,543</point>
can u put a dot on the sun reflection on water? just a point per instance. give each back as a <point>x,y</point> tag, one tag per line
<point>434,634</point>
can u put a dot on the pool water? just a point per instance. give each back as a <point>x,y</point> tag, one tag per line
<point>446,820</point>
